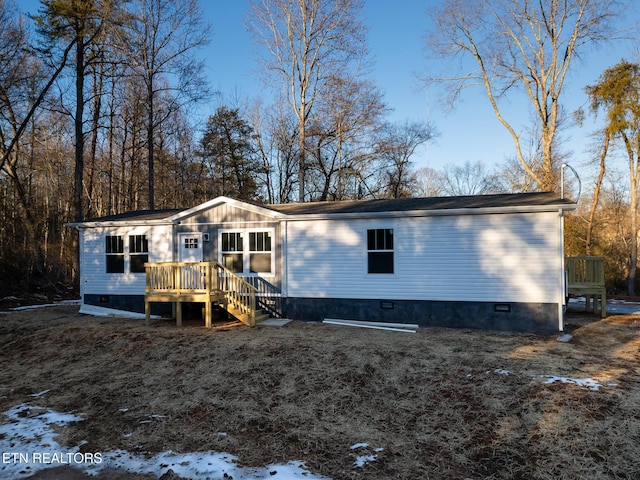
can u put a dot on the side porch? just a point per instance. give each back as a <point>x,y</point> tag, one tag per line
<point>585,276</point>
<point>203,282</point>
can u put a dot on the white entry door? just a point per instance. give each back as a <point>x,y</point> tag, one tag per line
<point>190,249</point>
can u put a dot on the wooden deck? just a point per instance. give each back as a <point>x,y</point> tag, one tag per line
<point>585,276</point>
<point>204,282</point>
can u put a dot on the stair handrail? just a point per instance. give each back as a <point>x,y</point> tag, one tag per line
<point>238,292</point>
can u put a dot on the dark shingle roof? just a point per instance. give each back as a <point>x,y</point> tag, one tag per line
<point>372,206</point>
<point>414,204</point>
<point>142,215</point>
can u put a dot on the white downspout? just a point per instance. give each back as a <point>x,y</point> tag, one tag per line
<point>284,235</point>
<point>562,289</point>
<point>81,267</point>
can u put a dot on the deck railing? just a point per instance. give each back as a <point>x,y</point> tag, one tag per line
<point>585,276</point>
<point>200,281</point>
<point>585,270</point>
<point>179,277</point>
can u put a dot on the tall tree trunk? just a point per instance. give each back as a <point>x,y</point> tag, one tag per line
<point>93,147</point>
<point>301,153</point>
<point>596,193</point>
<point>79,152</point>
<point>150,106</point>
<point>634,162</point>
<point>633,260</point>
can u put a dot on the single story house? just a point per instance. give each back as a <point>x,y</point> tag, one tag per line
<point>487,261</point>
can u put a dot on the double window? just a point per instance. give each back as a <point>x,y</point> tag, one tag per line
<point>138,253</point>
<point>380,250</point>
<point>247,251</point>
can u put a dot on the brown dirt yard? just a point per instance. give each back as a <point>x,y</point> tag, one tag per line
<point>436,404</point>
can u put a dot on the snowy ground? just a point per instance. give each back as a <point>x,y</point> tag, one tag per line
<point>28,445</point>
<point>614,306</point>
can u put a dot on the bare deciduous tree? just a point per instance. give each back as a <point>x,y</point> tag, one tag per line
<point>428,183</point>
<point>521,44</point>
<point>161,38</point>
<point>305,43</point>
<point>349,116</point>
<point>397,145</point>
<point>468,179</point>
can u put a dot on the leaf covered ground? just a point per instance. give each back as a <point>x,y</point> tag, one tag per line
<point>440,403</point>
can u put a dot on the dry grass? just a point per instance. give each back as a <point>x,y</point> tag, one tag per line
<point>433,401</point>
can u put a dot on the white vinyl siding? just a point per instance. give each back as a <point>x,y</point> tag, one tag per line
<point>496,258</point>
<point>94,278</point>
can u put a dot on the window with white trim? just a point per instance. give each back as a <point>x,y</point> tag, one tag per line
<point>248,252</point>
<point>260,252</point>
<point>380,250</point>
<point>114,250</point>
<point>138,253</point>
<point>117,257</point>
<point>232,248</point>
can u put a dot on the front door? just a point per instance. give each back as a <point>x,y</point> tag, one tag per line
<point>190,249</point>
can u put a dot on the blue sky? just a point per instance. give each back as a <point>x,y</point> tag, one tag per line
<point>396,31</point>
<point>396,41</point>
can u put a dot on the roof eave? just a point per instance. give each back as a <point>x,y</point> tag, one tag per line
<point>118,223</point>
<point>436,212</point>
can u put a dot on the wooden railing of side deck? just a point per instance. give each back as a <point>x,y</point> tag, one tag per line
<point>585,276</point>
<point>206,282</point>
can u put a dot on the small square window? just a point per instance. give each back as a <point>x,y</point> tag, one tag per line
<point>190,243</point>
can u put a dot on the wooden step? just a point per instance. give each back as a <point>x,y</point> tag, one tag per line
<point>259,316</point>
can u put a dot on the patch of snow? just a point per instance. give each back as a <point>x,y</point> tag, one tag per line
<point>362,460</point>
<point>200,465</point>
<point>359,445</point>
<point>624,307</point>
<point>39,394</point>
<point>28,445</point>
<point>501,371</point>
<point>589,383</point>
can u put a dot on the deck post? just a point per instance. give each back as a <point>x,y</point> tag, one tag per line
<point>147,313</point>
<point>178,304</point>
<point>207,304</point>
<point>207,313</point>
